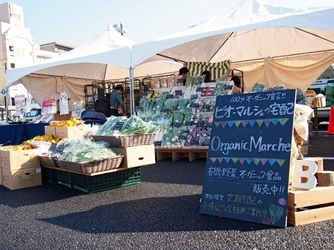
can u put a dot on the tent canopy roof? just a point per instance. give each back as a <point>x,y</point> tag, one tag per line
<point>253,30</point>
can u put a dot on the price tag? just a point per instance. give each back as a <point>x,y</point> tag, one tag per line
<point>182,137</point>
<point>176,124</point>
<point>194,105</point>
<point>189,123</point>
<point>165,110</point>
<point>194,97</point>
<point>60,149</point>
<point>52,147</point>
<point>199,89</point>
<point>169,96</point>
<point>178,92</point>
<point>194,142</point>
<point>118,126</point>
<point>157,143</point>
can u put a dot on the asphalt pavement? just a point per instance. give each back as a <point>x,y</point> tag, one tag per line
<point>162,212</point>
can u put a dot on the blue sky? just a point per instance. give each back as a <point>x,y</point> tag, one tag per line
<point>75,22</point>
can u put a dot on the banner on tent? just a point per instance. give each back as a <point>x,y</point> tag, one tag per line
<point>217,69</point>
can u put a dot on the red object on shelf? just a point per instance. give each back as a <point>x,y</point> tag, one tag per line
<point>331,121</point>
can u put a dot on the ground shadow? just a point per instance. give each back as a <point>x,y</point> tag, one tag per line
<point>36,195</point>
<point>177,172</point>
<point>159,214</point>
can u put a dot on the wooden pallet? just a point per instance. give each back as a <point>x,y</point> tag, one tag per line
<point>180,153</point>
<point>314,205</point>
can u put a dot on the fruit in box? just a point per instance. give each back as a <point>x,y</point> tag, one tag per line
<point>66,123</point>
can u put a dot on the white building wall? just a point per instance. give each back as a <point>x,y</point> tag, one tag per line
<point>18,48</point>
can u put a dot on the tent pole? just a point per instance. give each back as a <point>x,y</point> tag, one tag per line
<point>6,104</point>
<point>132,99</point>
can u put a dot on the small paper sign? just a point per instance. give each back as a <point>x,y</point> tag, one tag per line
<point>52,147</point>
<point>118,126</point>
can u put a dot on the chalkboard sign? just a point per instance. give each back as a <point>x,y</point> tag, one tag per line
<point>247,170</point>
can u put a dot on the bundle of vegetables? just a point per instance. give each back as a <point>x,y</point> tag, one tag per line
<point>178,118</point>
<point>108,127</point>
<point>133,125</point>
<point>301,98</point>
<point>276,88</point>
<point>167,120</point>
<point>258,87</point>
<point>152,127</point>
<point>159,103</point>
<point>182,104</point>
<point>170,104</point>
<point>84,150</point>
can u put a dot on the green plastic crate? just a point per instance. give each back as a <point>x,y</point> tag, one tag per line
<point>49,175</point>
<point>64,178</point>
<point>98,183</point>
<point>329,90</point>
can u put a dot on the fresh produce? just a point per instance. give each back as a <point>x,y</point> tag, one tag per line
<point>45,138</point>
<point>126,126</point>
<point>84,150</point>
<point>66,123</point>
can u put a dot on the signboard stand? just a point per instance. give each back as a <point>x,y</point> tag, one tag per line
<point>247,169</point>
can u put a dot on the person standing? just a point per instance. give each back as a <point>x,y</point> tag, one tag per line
<point>116,101</point>
<point>183,73</point>
<point>207,75</point>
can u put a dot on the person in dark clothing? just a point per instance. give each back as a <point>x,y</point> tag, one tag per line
<point>103,105</point>
<point>183,72</point>
<point>236,81</point>
<point>207,76</point>
<point>116,101</point>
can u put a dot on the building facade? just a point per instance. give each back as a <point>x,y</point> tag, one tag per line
<point>19,48</point>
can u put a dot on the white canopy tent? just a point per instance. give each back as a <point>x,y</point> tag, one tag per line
<point>269,44</point>
<point>107,57</point>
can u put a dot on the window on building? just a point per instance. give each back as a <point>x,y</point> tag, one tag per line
<point>12,65</point>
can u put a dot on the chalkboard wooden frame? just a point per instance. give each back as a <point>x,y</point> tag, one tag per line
<point>247,169</point>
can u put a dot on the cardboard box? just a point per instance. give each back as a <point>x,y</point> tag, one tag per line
<point>23,178</point>
<point>136,156</point>
<point>0,176</point>
<point>50,130</point>
<point>72,132</point>
<point>12,160</point>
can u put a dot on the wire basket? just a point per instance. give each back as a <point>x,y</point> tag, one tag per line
<point>91,167</point>
<point>47,161</point>
<point>126,140</point>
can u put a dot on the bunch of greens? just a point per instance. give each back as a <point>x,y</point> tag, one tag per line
<point>301,98</point>
<point>108,127</point>
<point>84,150</point>
<point>258,87</point>
<point>276,88</point>
<point>134,125</point>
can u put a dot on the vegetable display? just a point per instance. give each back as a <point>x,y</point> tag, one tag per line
<point>84,150</point>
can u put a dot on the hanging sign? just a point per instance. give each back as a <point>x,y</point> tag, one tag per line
<point>247,169</point>
<point>3,91</point>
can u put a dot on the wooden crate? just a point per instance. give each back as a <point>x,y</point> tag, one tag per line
<point>309,206</point>
<point>180,153</point>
